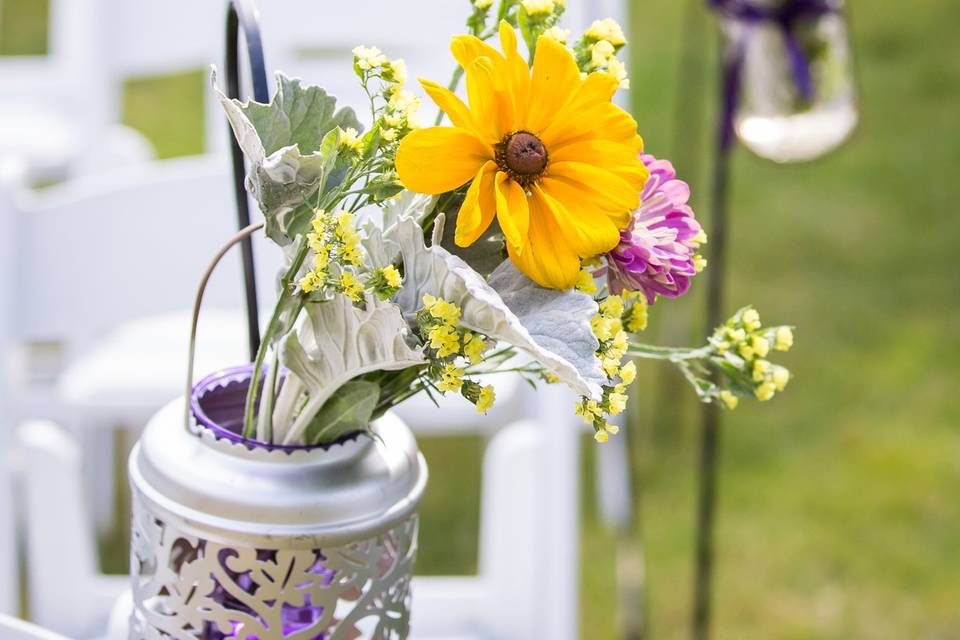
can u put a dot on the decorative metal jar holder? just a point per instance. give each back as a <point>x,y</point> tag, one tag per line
<point>233,538</point>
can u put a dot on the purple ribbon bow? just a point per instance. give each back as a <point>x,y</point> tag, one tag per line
<point>785,16</point>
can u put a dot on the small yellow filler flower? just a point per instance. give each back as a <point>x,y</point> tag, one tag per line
<point>544,150</point>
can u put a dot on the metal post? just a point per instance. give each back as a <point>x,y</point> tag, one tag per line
<point>242,14</point>
<point>710,420</point>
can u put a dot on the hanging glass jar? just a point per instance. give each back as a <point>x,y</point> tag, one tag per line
<point>790,76</point>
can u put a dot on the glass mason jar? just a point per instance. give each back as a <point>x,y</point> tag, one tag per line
<point>797,91</point>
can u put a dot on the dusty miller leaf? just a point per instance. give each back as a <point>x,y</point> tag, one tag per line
<point>338,342</point>
<point>290,149</point>
<point>552,327</point>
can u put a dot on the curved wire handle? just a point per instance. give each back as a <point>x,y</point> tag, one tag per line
<point>242,14</point>
<point>241,236</point>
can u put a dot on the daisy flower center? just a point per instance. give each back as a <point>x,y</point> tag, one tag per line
<point>522,156</point>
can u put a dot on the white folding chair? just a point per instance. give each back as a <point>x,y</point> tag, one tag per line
<point>58,114</point>
<point>9,589</point>
<point>66,591</point>
<point>102,272</point>
<point>13,629</point>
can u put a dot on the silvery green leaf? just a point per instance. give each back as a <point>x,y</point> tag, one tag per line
<point>347,411</point>
<point>289,147</point>
<point>338,342</point>
<point>381,227</point>
<point>558,321</point>
<point>484,255</point>
<point>552,327</point>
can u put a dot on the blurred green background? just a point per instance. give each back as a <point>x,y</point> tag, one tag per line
<point>839,513</point>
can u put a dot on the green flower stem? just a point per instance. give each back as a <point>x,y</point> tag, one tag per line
<point>452,86</point>
<point>673,354</point>
<point>286,403</point>
<point>264,421</point>
<point>286,297</point>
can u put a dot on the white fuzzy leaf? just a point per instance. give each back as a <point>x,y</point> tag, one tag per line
<point>284,143</point>
<point>381,225</point>
<point>338,342</point>
<point>552,327</point>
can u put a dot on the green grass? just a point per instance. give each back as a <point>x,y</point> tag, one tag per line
<point>838,514</point>
<point>168,110</point>
<point>23,27</point>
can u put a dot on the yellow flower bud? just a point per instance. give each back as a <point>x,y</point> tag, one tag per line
<point>485,400</point>
<point>699,263</point>
<point>585,283</point>
<point>765,391</point>
<point>751,319</point>
<point>784,339</point>
<point>618,402</point>
<point>601,53</point>
<point>760,370</point>
<point>729,400</point>
<point>537,7</point>
<point>451,379</point>
<point>781,376</point>
<point>391,276</point>
<point>761,346</point>
<point>608,30</point>
<point>557,34</point>
<point>736,335</point>
<point>601,437</point>
<point>745,351</point>
<point>628,373</point>
<point>618,70</point>
<point>350,138</point>
<point>612,307</point>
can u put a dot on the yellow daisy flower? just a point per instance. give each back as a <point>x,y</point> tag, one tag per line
<point>544,150</point>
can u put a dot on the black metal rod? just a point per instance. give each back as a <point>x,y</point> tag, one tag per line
<point>710,426</point>
<point>241,14</point>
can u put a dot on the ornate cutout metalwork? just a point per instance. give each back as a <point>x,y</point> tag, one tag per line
<point>189,588</point>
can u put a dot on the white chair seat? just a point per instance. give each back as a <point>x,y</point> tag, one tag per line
<point>39,135</point>
<point>13,629</point>
<point>142,364</point>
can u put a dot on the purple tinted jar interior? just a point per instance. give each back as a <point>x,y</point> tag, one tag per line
<point>217,404</point>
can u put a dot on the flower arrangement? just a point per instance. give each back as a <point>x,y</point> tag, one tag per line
<point>531,236</point>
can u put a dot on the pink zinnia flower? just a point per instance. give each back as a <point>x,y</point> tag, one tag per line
<point>656,254</point>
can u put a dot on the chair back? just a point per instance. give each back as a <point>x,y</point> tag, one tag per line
<point>98,251</point>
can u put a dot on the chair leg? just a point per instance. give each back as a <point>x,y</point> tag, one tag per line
<point>9,591</point>
<point>67,592</point>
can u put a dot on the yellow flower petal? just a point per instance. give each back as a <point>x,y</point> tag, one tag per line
<point>517,71</point>
<point>597,89</point>
<point>598,120</point>
<point>547,259</point>
<point>466,49</point>
<point>451,105</point>
<point>619,159</point>
<point>479,207</point>
<point>513,211</point>
<point>439,159</point>
<point>610,192</point>
<point>555,79</point>
<point>588,231</point>
<point>492,110</point>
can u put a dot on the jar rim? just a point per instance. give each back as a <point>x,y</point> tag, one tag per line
<point>234,381</point>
